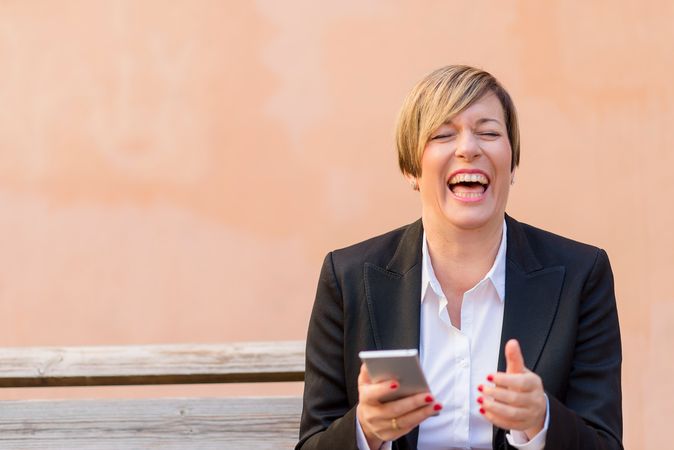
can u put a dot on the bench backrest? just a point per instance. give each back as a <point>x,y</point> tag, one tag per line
<point>166,423</point>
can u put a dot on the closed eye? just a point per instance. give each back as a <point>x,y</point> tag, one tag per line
<point>442,136</point>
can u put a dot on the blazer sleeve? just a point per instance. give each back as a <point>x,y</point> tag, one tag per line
<point>328,421</point>
<point>590,415</point>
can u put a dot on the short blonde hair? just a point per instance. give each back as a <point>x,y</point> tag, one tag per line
<point>436,99</point>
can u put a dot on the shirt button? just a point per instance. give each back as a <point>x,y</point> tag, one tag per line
<point>463,363</point>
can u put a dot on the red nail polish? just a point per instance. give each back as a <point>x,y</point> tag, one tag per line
<point>480,400</point>
<point>394,385</point>
<point>428,399</point>
<point>490,378</point>
<point>437,407</point>
<point>481,410</point>
<point>480,388</point>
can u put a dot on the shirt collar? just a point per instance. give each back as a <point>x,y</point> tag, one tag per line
<point>496,274</point>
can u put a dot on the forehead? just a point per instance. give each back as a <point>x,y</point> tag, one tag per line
<point>486,109</point>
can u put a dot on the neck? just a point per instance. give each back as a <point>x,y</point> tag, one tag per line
<point>462,257</point>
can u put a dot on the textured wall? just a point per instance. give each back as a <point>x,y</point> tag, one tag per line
<point>176,171</point>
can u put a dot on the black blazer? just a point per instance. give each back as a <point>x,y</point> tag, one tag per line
<point>559,304</point>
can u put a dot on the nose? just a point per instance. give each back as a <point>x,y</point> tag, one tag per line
<point>468,147</point>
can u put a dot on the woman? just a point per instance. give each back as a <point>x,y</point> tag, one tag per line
<point>517,328</point>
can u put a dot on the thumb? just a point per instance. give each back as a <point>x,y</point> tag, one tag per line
<point>364,375</point>
<point>514,359</point>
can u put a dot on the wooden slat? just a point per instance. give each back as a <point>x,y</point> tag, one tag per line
<point>155,364</point>
<point>170,424</point>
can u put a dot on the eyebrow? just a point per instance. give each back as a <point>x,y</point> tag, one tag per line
<point>479,121</point>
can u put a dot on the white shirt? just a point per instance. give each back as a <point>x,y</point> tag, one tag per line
<point>456,361</point>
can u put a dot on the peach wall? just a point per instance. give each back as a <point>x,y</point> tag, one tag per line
<point>176,171</point>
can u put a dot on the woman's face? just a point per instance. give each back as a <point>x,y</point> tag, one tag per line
<point>465,168</point>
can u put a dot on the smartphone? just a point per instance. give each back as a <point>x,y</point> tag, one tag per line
<point>401,365</point>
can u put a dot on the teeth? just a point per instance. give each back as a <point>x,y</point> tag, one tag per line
<point>468,194</point>
<point>468,178</point>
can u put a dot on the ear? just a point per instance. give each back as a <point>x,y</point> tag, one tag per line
<point>412,180</point>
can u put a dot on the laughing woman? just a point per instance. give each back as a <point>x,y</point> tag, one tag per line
<point>516,327</point>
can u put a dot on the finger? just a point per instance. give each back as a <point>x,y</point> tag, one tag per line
<point>413,418</point>
<point>408,412</point>
<point>502,416</point>
<point>514,358</point>
<point>502,395</point>
<point>403,406</point>
<point>515,417</point>
<point>370,392</point>
<point>523,382</point>
<point>364,375</point>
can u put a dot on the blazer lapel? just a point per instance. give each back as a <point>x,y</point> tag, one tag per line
<point>532,294</point>
<point>531,298</point>
<point>393,300</point>
<point>393,294</point>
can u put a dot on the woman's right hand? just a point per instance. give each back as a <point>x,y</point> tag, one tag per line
<point>388,421</point>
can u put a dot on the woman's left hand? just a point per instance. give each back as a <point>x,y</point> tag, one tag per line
<point>516,400</point>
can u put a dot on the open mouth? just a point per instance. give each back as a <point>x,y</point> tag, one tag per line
<point>468,185</point>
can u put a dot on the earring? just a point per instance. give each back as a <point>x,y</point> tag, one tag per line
<point>414,184</point>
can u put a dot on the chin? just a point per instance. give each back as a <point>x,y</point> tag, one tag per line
<point>472,219</point>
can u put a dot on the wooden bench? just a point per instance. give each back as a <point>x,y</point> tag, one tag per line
<point>163,423</point>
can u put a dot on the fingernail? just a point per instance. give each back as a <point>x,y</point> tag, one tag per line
<point>481,410</point>
<point>480,388</point>
<point>428,399</point>
<point>394,385</point>
<point>490,377</point>
<point>437,407</point>
<point>480,400</point>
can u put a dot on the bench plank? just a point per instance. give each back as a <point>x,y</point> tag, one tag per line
<point>152,364</point>
<point>173,424</point>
